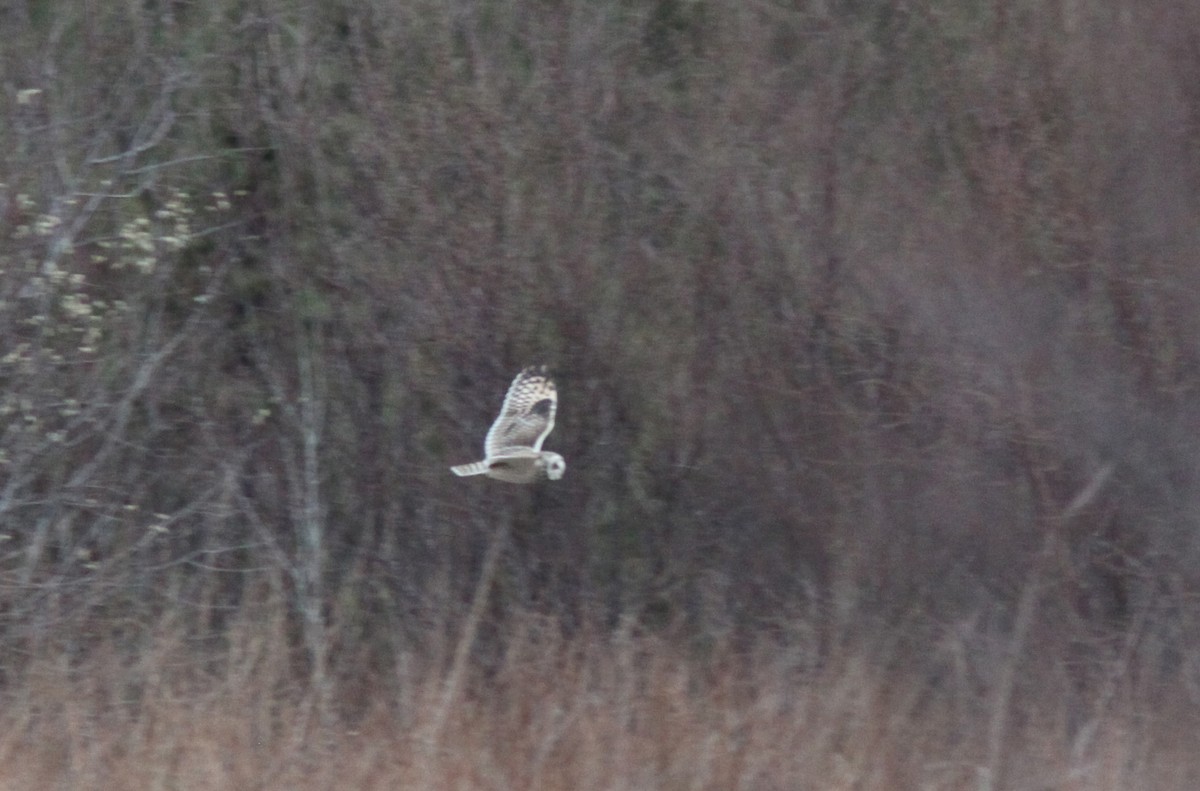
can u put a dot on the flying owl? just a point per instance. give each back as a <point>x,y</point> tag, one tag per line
<point>513,451</point>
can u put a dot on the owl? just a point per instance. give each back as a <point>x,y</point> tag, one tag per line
<point>512,451</point>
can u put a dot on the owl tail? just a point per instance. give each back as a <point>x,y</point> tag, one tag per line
<point>474,468</point>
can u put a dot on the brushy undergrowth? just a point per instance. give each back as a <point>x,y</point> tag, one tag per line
<point>624,710</point>
<point>875,328</point>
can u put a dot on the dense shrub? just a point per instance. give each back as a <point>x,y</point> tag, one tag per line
<point>862,313</point>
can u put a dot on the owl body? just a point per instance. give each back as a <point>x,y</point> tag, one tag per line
<point>517,467</point>
<point>513,447</point>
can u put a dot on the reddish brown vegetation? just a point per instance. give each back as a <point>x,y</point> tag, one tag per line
<point>875,330</point>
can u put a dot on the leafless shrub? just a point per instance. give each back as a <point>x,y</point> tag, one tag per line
<point>875,328</point>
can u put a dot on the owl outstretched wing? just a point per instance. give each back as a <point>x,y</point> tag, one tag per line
<point>527,415</point>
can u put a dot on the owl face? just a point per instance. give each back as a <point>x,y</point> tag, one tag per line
<point>553,465</point>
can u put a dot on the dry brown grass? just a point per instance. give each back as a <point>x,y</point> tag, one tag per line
<point>580,713</point>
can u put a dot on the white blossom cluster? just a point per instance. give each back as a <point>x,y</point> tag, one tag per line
<point>56,318</point>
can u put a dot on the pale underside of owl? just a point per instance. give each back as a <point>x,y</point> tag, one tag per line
<point>512,451</point>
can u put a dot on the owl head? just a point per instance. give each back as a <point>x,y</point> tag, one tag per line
<point>552,464</point>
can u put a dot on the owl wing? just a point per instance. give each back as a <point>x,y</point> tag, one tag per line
<point>527,415</point>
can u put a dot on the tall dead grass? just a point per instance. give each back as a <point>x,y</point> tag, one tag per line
<point>627,710</point>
